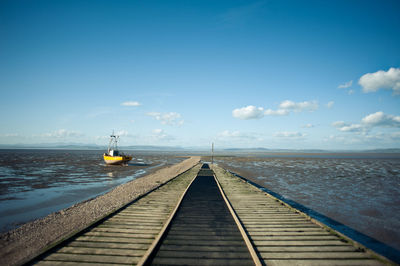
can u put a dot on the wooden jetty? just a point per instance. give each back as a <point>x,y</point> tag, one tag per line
<point>208,217</point>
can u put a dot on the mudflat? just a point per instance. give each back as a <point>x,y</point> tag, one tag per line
<point>19,245</point>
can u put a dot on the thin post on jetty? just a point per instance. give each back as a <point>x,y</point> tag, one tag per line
<point>212,153</point>
<point>208,216</point>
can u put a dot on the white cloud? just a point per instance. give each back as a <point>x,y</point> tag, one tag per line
<point>346,127</point>
<point>234,134</point>
<point>330,104</point>
<point>248,112</point>
<point>291,135</point>
<point>381,119</point>
<point>346,85</point>
<point>131,103</point>
<point>171,118</point>
<point>299,107</point>
<point>378,119</point>
<point>352,128</point>
<point>276,112</point>
<point>123,133</point>
<point>285,107</point>
<point>350,92</point>
<point>62,133</point>
<point>381,79</point>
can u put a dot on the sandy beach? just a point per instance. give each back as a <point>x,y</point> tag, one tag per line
<point>20,245</point>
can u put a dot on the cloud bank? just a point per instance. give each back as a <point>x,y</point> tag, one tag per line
<point>62,133</point>
<point>378,119</point>
<point>289,135</point>
<point>285,108</point>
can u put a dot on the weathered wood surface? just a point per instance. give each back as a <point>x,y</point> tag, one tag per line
<point>125,237</point>
<point>203,231</point>
<point>283,236</point>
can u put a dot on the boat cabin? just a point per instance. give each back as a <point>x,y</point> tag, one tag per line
<point>113,153</point>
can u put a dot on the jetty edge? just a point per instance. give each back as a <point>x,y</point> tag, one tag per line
<point>22,244</point>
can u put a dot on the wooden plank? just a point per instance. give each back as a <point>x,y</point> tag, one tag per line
<point>196,261</point>
<point>137,219</point>
<point>221,237</point>
<point>92,258</point>
<point>138,227</point>
<point>295,238</point>
<point>293,233</point>
<point>207,243</point>
<point>195,248</point>
<point>102,251</point>
<point>205,254</point>
<point>298,243</point>
<point>90,244</point>
<point>266,222</point>
<point>119,234</point>
<point>125,230</point>
<point>66,263</point>
<point>271,230</point>
<point>313,255</point>
<point>113,239</point>
<point>316,248</point>
<point>324,262</point>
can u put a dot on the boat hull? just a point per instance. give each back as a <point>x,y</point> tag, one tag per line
<point>114,160</point>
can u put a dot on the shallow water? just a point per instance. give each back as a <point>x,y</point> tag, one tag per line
<point>363,193</point>
<point>35,183</point>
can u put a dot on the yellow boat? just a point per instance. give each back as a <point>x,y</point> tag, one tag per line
<point>113,156</point>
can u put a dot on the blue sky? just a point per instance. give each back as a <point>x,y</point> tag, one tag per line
<point>273,74</point>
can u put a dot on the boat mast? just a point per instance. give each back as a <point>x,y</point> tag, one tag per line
<point>113,142</point>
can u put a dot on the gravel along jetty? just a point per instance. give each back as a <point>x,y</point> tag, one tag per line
<point>19,245</point>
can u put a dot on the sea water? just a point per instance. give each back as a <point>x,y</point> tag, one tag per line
<point>35,183</point>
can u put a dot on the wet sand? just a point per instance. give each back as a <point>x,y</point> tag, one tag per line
<point>19,245</point>
<point>361,193</point>
<point>35,183</point>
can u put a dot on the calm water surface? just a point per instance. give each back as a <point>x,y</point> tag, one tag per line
<point>363,193</point>
<point>35,183</point>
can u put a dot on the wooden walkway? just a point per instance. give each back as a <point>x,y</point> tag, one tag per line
<point>203,231</point>
<point>200,218</point>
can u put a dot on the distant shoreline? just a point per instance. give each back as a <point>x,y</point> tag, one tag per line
<point>204,151</point>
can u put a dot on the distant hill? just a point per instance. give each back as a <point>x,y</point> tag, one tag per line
<point>82,146</point>
<point>79,146</point>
